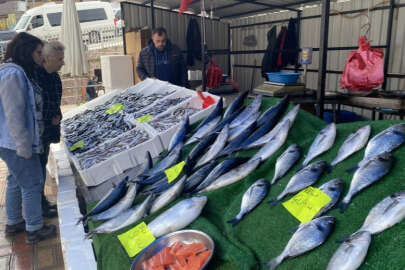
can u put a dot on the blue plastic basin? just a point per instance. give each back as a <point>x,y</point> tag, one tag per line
<point>283,77</point>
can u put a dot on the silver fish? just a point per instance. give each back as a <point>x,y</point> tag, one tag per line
<point>333,189</point>
<point>385,141</point>
<point>385,214</point>
<point>234,175</point>
<point>274,144</point>
<point>204,130</point>
<point>178,216</point>
<point>322,143</point>
<point>124,204</point>
<point>168,196</point>
<point>235,132</point>
<point>308,236</point>
<point>351,253</point>
<point>180,134</point>
<point>246,113</point>
<point>216,147</point>
<point>171,159</point>
<point>251,198</point>
<point>124,219</point>
<point>354,142</point>
<point>291,116</point>
<point>302,179</point>
<point>286,161</point>
<point>366,175</point>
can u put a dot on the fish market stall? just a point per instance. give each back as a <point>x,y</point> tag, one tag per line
<point>304,153</point>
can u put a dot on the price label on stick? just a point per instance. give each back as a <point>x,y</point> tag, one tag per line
<point>115,108</point>
<point>136,239</point>
<point>145,118</point>
<point>173,172</point>
<point>307,203</point>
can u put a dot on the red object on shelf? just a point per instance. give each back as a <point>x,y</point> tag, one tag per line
<point>207,101</point>
<point>364,68</point>
<point>214,75</point>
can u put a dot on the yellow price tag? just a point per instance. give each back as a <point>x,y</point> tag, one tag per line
<point>173,172</point>
<point>115,108</point>
<point>306,204</point>
<point>77,145</point>
<point>145,118</point>
<point>136,239</point>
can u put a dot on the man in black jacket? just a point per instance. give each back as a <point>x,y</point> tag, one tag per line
<point>162,60</point>
<point>50,82</point>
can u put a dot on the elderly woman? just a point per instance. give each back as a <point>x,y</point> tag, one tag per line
<point>21,126</point>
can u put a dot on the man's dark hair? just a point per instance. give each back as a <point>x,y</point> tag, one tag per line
<point>19,51</point>
<point>160,31</point>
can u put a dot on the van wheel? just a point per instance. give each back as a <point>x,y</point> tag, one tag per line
<point>94,37</point>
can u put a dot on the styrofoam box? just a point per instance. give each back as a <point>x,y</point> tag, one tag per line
<point>195,102</point>
<point>70,233</point>
<point>66,197</point>
<point>79,256</point>
<point>66,184</point>
<point>69,214</point>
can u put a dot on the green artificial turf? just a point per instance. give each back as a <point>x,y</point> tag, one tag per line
<point>263,234</point>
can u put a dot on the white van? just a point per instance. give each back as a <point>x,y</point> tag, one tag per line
<point>45,20</point>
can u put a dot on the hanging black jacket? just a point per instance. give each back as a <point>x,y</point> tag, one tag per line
<point>269,59</point>
<point>193,42</point>
<point>290,56</point>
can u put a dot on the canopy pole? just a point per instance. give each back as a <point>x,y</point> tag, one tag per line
<point>152,13</point>
<point>203,45</point>
<point>323,57</point>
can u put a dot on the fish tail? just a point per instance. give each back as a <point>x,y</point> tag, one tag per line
<point>273,202</point>
<point>273,181</point>
<point>234,221</point>
<point>90,234</point>
<point>343,205</point>
<point>82,219</point>
<point>352,170</point>
<point>272,264</point>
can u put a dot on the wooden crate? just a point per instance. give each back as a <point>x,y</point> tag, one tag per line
<point>135,42</point>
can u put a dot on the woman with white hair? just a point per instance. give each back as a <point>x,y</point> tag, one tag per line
<point>50,82</point>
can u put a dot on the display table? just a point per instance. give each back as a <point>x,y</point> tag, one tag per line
<point>263,234</point>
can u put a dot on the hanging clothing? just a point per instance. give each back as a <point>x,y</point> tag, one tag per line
<point>193,42</point>
<point>268,63</point>
<point>283,36</point>
<point>291,46</point>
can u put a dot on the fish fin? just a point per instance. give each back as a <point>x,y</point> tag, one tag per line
<point>343,239</point>
<point>234,221</point>
<point>329,168</point>
<point>273,202</point>
<point>272,264</point>
<point>89,234</point>
<point>343,206</point>
<point>293,230</point>
<point>352,170</point>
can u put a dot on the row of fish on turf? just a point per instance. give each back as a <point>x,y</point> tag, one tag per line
<point>115,206</point>
<point>352,252</point>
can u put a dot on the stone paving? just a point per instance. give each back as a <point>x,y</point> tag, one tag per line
<point>15,254</point>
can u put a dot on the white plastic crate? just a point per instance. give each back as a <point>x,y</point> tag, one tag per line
<point>195,102</point>
<point>70,233</point>
<point>69,213</point>
<point>66,197</point>
<point>66,183</point>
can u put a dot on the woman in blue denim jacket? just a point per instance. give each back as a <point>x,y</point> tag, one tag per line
<point>20,145</point>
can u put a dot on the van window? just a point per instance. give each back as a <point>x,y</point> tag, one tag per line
<point>87,15</point>
<point>54,18</point>
<point>37,21</point>
<point>22,23</point>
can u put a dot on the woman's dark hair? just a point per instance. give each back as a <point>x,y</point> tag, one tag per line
<point>19,51</point>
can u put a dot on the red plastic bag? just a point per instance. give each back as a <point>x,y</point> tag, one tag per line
<point>214,75</point>
<point>184,6</point>
<point>364,68</point>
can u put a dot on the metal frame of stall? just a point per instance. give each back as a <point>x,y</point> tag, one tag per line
<point>324,38</point>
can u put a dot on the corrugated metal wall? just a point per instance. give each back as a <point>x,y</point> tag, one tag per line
<point>342,32</point>
<point>137,16</point>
